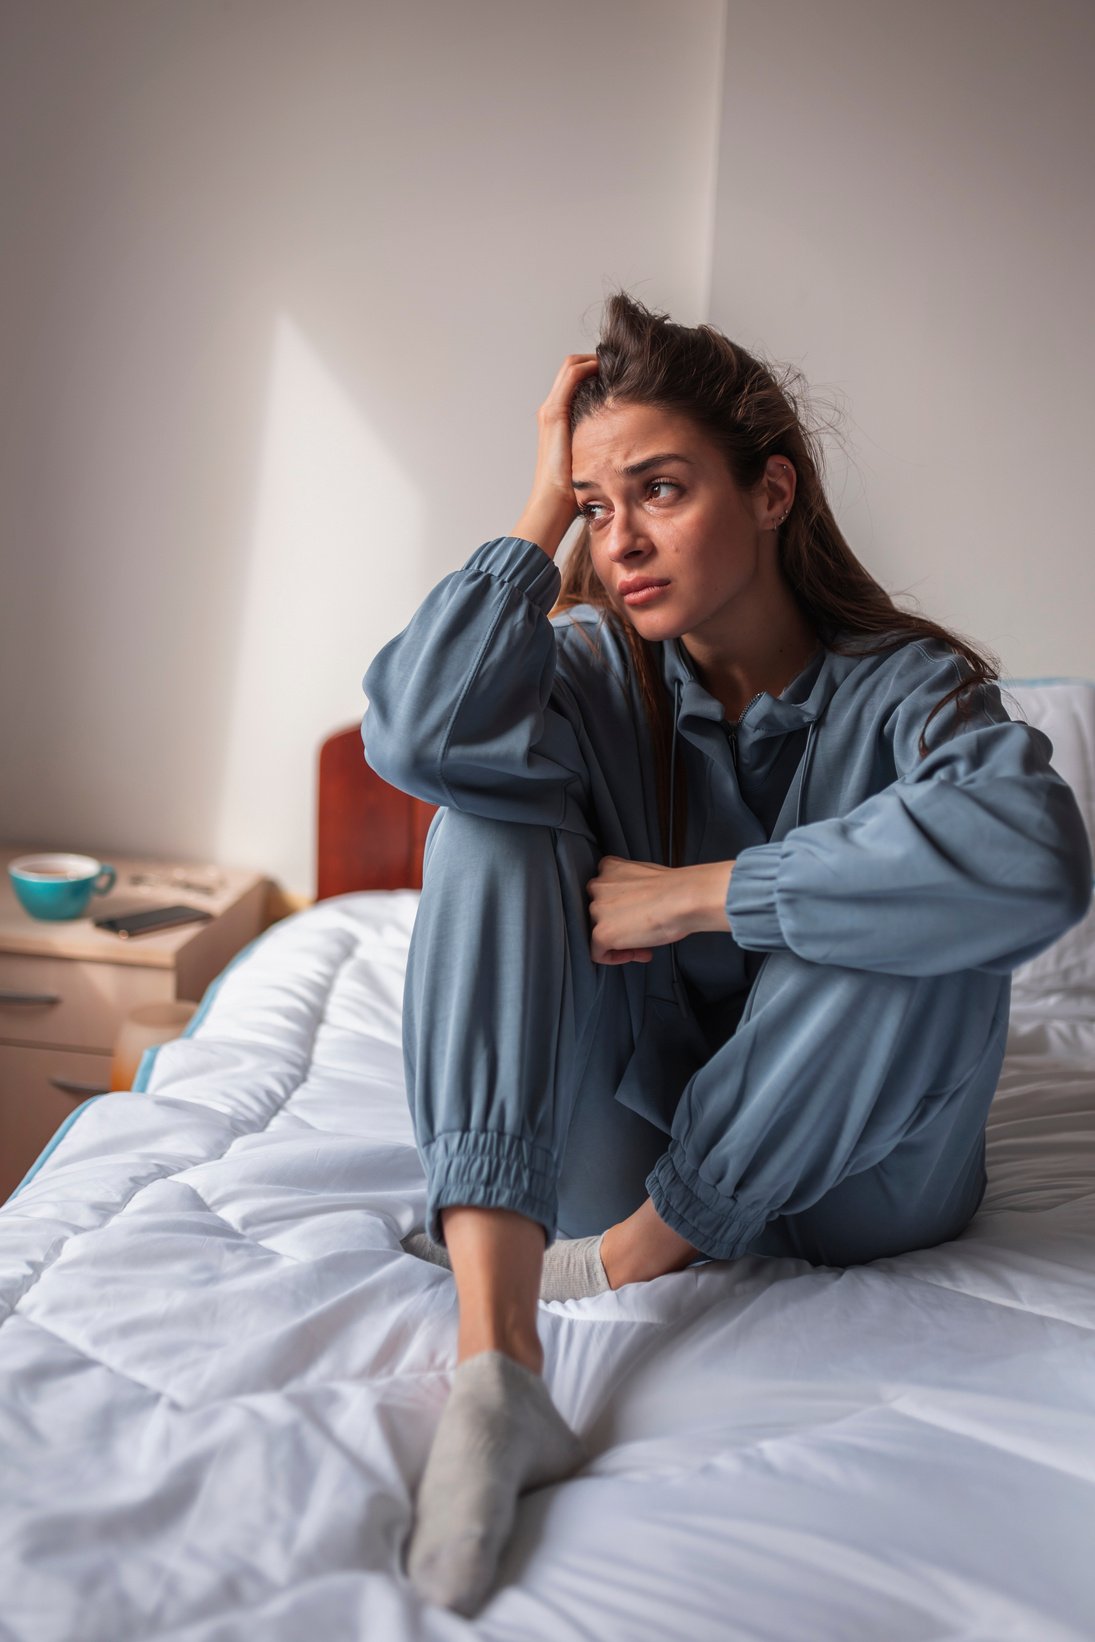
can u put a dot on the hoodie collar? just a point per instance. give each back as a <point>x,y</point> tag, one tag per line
<point>802,702</point>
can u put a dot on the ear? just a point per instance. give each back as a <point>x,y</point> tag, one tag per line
<point>777,492</point>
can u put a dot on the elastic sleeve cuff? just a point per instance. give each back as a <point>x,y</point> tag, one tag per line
<point>513,559</point>
<point>751,899</point>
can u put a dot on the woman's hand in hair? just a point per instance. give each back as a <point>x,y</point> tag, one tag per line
<point>635,906</point>
<point>551,509</point>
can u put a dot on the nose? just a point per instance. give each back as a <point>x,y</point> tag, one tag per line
<point>625,539</point>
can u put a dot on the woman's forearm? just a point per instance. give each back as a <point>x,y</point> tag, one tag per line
<point>544,525</point>
<point>551,509</point>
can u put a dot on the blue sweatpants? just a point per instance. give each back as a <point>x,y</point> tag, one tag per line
<point>841,1121</point>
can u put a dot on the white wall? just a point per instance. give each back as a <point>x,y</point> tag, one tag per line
<point>283,286</point>
<point>905,213</point>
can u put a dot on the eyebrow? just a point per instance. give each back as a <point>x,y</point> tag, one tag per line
<point>637,467</point>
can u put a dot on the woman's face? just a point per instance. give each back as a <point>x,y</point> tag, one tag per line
<point>676,519</point>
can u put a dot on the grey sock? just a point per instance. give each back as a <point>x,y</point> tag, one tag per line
<point>572,1265</point>
<point>573,1269</point>
<point>500,1435</point>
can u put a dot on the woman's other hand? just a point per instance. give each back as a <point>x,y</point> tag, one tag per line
<point>550,510</point>
<point>635,906</point>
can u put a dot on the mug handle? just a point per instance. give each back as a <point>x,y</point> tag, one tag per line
<point>111,876</point>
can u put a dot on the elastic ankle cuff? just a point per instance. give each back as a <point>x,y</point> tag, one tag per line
<point>722,1227</point>
<point>490,1170</point>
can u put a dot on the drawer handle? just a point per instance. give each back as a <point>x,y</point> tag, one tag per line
<point>29,997</point>
<point>81,1090</point>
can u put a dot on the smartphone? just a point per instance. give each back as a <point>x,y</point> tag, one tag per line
<point>143,923</point>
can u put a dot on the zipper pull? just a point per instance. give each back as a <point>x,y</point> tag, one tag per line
<point>731,736</point>
<point>676,981</point>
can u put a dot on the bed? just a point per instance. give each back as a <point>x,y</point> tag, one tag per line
<point>222,1373</point>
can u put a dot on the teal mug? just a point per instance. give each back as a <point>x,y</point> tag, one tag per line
<point>59,886</point>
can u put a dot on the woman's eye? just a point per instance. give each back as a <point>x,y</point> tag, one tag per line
<point>588,510</point>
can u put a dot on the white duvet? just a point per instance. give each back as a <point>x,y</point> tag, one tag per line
<point>221,1374</point>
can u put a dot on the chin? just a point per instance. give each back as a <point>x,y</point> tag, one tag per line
<point>656,626</point>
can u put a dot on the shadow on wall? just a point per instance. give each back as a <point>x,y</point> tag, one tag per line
<point>291,320</point>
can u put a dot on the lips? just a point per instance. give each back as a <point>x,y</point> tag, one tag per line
<point>636,584</point>
<point>641,590</point>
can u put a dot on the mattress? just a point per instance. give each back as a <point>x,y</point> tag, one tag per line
<point>221,1374</point>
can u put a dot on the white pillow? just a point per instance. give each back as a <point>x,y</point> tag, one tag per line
<point>1064,709</point>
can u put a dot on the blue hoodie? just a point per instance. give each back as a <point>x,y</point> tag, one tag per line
<point>850,849</point>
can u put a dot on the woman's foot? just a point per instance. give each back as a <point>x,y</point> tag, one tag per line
<point>642,1247</point>
<point>500,1435</point>
<point>572,1266</point>
<point>633,1251</point>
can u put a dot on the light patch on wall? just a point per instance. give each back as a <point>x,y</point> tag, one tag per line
<point>334,547</point>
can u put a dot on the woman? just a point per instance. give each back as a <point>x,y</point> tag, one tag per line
<point>718,917</point>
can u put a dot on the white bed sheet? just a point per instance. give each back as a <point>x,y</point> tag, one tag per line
<point>222,1374</point>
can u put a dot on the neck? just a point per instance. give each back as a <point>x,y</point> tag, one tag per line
<point>757,651</point>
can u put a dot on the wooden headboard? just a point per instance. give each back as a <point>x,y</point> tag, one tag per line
<point>369,834</point>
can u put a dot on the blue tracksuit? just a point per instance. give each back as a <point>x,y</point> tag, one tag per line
<point>814,1082</point>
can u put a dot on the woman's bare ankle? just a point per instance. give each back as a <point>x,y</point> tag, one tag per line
<point>526,1350</point>
<point>497,1259</point>
<point>642,1247</point>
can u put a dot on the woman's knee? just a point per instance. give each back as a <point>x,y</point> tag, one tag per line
<point>476,846</point>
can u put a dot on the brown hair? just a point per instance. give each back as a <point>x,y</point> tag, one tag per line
<point>738,402</point>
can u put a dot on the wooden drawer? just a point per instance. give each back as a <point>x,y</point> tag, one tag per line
<point>32,1107</point>
<point>89,1000</point>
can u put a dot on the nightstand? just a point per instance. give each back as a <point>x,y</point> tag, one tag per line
<point>66,987</point>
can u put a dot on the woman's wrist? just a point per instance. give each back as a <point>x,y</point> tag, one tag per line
<point>546,526</point>
<point>709,887</point>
